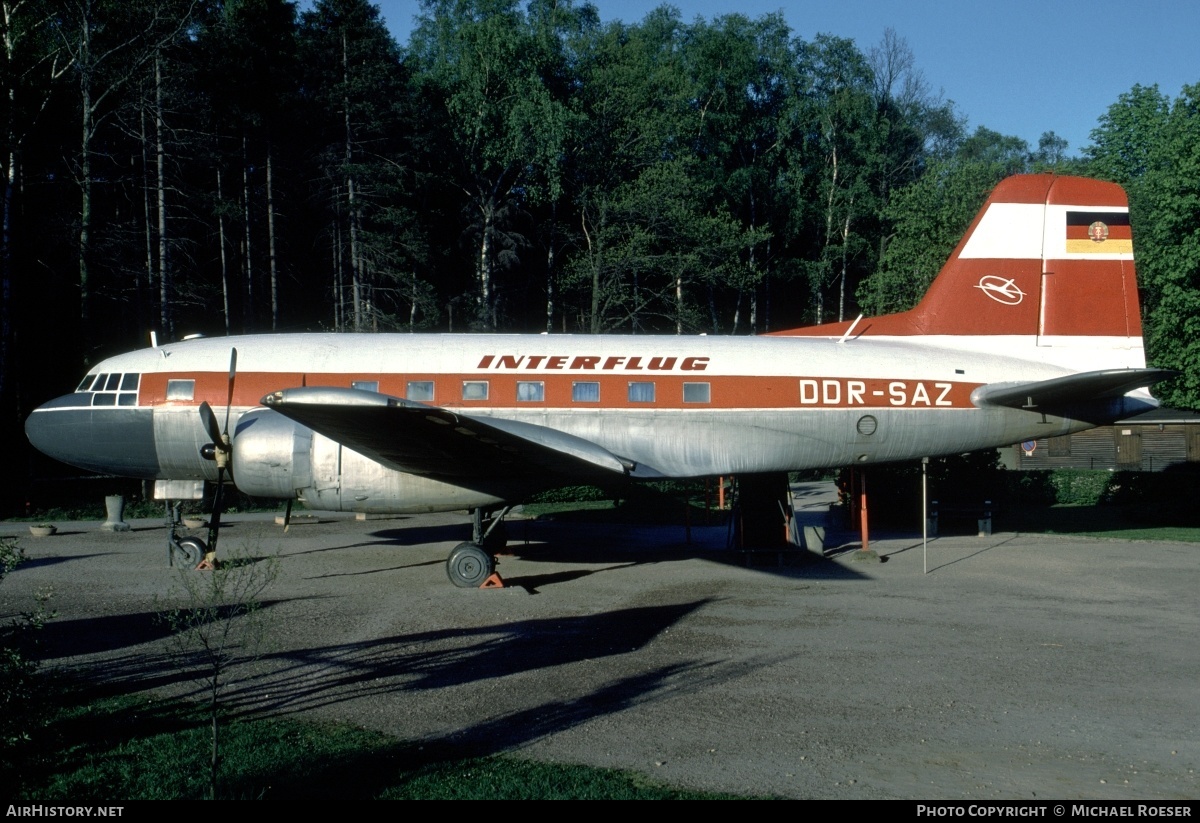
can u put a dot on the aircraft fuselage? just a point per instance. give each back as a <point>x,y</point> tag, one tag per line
<point>668,406</point>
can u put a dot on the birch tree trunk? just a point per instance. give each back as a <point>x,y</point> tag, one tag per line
<point>166,321</point>
<point>271,244</point>
<point>224,260</point>
<point>247,261</point>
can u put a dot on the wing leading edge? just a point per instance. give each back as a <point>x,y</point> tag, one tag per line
<point>431,441</point>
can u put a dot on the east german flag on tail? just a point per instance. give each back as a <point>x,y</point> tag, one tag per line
<point>1098,232</point>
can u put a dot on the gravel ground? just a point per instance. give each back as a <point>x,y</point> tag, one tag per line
<point>1018,667</point>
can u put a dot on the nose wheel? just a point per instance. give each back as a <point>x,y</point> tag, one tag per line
<point>187,552</point>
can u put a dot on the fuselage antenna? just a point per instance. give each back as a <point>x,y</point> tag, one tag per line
<point>849,330</point>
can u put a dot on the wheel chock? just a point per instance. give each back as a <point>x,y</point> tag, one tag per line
<point>494,581</point>
<point>208,564</point>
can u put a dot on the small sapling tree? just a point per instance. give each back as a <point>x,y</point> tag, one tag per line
<point>220,624</point>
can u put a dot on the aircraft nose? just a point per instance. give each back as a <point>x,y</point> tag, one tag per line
<point>105,439</point>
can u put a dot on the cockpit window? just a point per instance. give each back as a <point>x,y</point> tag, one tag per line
<point>112,389</point>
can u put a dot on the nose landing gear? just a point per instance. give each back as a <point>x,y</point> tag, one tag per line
<point>187,552</point>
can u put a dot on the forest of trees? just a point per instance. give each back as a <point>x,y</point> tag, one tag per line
<point>230,166</point>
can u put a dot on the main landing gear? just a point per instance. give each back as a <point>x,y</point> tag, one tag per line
<point>473,565</point>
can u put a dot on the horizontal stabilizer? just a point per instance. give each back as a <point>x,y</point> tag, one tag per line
<point>1075,388</point>
<point>421,439</point>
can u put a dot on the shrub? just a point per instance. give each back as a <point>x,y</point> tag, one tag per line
<point>23,707</point>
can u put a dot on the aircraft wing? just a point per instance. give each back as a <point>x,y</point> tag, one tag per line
<point>1071,389</point>
<point>417,438</point>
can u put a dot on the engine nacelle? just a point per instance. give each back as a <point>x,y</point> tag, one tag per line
<point>272,456</point>
<point>277,457</point>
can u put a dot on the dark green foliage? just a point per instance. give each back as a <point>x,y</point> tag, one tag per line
<point>1165,498</point>
<point>1080,487</point>
<point>1068,487</point>
<point>138,508</point>
<point>571,494</point>
<point>23,703</point>
<point>1151,146</point>
<point>965,482</point>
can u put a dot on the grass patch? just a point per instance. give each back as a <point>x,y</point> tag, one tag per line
<point>1117,522</point>
<point>105,749</point>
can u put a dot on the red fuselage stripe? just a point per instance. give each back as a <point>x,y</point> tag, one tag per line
<point>725,392</point>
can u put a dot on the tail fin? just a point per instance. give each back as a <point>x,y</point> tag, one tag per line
<point>1047,258</point>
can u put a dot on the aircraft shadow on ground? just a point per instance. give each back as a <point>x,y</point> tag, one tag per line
<point>82,637</point>
<point>445,658</point>
<point>623,545</point>
<point>296,681</point>
<point>309,679</point>
<point>423,660</point>
<point>513,729</point>
<point>494,734</point>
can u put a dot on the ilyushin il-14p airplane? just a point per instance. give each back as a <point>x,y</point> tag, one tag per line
<point>1031,329</point>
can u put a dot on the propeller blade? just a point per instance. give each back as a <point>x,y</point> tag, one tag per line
<point>210,422</point>
<point>287,516</point>
<point>224,452</point>
<point>232,375</point>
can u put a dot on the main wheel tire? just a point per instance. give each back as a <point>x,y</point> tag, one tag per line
<point>189,551</point>
<point>469,565</point>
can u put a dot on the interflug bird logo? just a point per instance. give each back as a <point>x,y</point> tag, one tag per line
<point>1003,290</point>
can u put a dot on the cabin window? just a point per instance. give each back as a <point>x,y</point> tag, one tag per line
<point>697,393</point>
<point>365,385</point>
<point>420,390</point>
<point>531,391</point>
<point>181,389</point>
<point>127,398</point>
<point>112,384</point>
<point>87,383</point>
<point>104,399</point>
<point>475,390</point>
<point>129,382</point>
<point>641,392</point>
<point>588,392</point>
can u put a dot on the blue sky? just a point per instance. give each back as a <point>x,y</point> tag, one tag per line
<point>1019,67</point>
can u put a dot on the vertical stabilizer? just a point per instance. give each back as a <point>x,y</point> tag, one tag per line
<point>1047,258</point>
